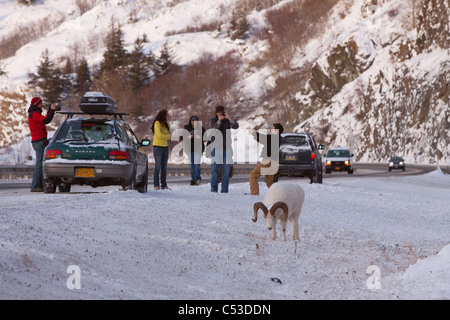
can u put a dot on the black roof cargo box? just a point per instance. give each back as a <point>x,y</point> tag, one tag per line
<point>97,102</point>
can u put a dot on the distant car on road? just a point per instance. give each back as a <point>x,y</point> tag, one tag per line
<point>95,150</point>
<point>396,163</point>
<point>339,159</point>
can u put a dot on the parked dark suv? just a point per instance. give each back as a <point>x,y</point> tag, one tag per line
<point>96,151</point>
<point>300,156</point>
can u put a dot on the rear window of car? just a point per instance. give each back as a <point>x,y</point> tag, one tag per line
<point>87,131</point>
<point>295,141</point>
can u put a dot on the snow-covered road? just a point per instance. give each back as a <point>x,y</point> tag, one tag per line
<point>362,238</point>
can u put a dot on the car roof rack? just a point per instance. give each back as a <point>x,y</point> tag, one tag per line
<point>70,114</point>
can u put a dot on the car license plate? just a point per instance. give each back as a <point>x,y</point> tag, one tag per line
<point>84,172</point>
<point>338,168</point>
<point>290,157</point>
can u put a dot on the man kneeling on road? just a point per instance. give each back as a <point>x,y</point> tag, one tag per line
<point>269,164</point>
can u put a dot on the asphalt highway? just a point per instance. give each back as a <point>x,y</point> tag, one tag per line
<point>362,170</point>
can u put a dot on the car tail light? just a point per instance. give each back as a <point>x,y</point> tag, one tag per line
<point>313,156</point>
<point>118,155</point>
<point>328,163</point>
<point>53,154</point>
<point>347,163</point>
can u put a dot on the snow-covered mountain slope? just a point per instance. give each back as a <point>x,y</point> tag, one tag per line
<point>382,93</point>
<point>373,78</point>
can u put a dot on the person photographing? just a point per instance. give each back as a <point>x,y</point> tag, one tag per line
<point>222,153</point>
<point>37,123</point>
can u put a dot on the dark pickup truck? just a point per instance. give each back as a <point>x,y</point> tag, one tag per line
<point>299,156</point>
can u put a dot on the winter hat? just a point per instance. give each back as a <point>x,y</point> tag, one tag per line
<point>36,101</point>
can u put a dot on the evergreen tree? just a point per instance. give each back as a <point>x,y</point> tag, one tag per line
<point>83,82</point>
<point>140,64</point>
<point>48,80</point>
<point>67,76</point>
<point>166,60</point>
<point>68,68</point>
<point>115,55</point>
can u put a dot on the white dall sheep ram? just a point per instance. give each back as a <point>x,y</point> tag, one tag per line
<point>285,201</point>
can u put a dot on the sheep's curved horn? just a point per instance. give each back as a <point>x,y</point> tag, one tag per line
<point>280,205</point>
<point>256,207</point>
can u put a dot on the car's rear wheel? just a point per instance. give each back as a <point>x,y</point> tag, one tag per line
<point>49,186</point>
<point>64,187</point>
<point>318,177</point>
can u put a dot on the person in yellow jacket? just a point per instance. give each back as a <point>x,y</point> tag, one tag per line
<point>161,136</point>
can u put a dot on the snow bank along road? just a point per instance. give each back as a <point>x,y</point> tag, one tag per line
<point>360,238</point>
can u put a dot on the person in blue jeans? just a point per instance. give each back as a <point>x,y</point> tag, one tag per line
<point>37,123</point>
<point>195,147</point>
<point>161,138</point>
<point>221,153</point>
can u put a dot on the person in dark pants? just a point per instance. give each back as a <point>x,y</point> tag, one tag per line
<point>37,123</point>
<point>222,155</point>
<point>161,136</point>
<point>196,148</point>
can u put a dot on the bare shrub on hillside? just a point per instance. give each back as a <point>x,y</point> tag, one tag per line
<point>112,83</point>
<point>196,27</point>
<point>25,34</point>
<point>197,86</point>
<point>304,19</point>
<point>209,81</point>
<point>289,28</point>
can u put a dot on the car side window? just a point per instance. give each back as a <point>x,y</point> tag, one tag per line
<point>313,143</point>
<point>123,134</point>
<point>131,135</point>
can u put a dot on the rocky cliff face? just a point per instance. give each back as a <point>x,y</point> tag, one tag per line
<point>394,101</point>
<point>12,118</point>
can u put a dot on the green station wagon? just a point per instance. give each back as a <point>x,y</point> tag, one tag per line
<point>96,151</point>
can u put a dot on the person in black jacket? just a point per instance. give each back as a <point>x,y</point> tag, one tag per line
<point>269,158</point>
<point>221,153</point>
<point>196,148</point>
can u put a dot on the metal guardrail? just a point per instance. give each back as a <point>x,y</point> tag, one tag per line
<point>11,172</point>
